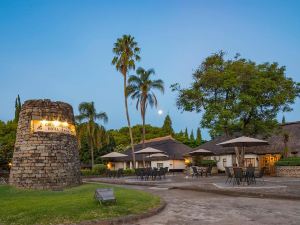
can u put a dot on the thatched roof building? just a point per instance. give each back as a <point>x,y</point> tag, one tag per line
<point>276,142</point>
<point>171,147</point>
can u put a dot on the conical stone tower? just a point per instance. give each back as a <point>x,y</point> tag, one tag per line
<point>46,149</point>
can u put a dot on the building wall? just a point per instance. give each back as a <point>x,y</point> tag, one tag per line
<point>171,164</point>
<point>228,160</point>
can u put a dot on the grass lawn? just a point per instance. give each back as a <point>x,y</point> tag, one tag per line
<point>76,204</point>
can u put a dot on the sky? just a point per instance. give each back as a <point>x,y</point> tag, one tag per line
<point>62,50</point>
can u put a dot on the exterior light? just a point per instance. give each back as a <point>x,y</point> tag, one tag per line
<point>56,123</point>
<point>109,165</point>
<point>44,122</point>
<point>65,124</point>
<point>9,164</point>
<point>187,161</point>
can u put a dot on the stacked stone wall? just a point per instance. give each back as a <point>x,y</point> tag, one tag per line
<point>288,171</point>
<point>45,160</point>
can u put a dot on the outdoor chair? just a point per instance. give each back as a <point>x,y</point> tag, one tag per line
<point>261,174</point>
<point>195,172</point>
<point>229,175</point>
<point>120,173</point>
<point>208,170</point>
<point>249,176</point>
<point>104,195</point>
<point>238,176</point>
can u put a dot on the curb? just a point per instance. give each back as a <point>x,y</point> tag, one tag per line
<point>240,194</point>
<point>127,219</point>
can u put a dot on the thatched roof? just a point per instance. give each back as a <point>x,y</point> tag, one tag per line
<point>276,144</point>
<point>171,147</point>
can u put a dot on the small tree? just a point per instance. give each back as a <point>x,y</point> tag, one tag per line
<point>192,138</point>
<point>199,136</point>
<point>17,108</point>
<point>167,126</point>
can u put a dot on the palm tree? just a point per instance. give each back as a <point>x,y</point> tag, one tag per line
<point>88,113</point>
<point>126,52</point>
<point>140,87</point>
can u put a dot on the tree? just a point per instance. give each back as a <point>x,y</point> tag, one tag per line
<point>238,95</point>
<point>141,87</point>
<point>17,108</point>
<point>7,141</point>
<point>199,137</point>
<point>167,126</point>
<point>192,138</point>
<point>126,52</point>
<point>186,134</point>
<point>283,120</point>
<point>88,113</point>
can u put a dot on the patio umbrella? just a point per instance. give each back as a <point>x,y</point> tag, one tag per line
<point>113,155</point>
<point>201,152</point>
<point>148,151</point>
<point>242,142</point>
<point>158,155</point>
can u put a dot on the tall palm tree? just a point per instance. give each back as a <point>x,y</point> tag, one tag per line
<point>126,52</point>
<point>88,113</point>
<point>140,87</point>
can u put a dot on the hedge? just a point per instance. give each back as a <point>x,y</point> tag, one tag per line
<point>205,162</point>
<point>291,161</point>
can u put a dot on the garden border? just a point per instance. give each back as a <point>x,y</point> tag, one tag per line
<point>129,218</point>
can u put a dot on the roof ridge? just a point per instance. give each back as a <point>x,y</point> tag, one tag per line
<point>158,139</point>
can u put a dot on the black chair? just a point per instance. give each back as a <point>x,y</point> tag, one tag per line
<point>229,175</point>
<point>261,174</point>
<point>120,173</point>
<point>195,172</point>
<point>238,176</point>
<point>207,171</point>
<point>249,176</point>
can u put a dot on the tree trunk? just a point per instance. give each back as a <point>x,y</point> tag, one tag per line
<point>144,130</point>
<point>128,120</point>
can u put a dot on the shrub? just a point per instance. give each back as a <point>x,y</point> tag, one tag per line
<point>206,163</point>
<point>128,172</point>
<point>86,172</point>
<point>99,169</point>
<point>290,161</point>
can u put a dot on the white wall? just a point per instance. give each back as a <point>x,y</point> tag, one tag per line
<point>229,160</point>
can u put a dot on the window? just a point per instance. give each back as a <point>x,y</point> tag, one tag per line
<point>249,161</point>
<point>224,162</point>
<point>160,165</point>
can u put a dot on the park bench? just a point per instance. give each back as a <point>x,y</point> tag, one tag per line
<point>105,195</point>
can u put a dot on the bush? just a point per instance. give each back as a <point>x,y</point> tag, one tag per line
<point>99,169</point>
<point>205,163</point>
<point>291,161</point>
<point>128,172</point>
<point>86,172</point>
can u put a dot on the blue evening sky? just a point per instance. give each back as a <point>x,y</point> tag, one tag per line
<point>62,50</point>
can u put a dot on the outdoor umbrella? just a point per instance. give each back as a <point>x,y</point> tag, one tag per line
<point>113,155</point>
<point>201,152</point>
<point>158,155</point>
<point>148,151</point>
<point>242,142</point>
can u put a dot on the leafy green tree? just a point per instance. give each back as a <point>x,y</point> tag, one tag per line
<point>199,137</point>
<point>141,87</point>
<point>7,141</point>
<point>192,137</point>
<point>88,113</point>
<point>186,134</point>
<point>17,108</point>
<point>167,126</point>
<point>283,120</point>
<point>238,95</point>
<point>126,52</point>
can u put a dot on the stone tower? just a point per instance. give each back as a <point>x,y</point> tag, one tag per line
<point>46,149</point>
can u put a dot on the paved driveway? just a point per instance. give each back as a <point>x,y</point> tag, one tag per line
<point>190,207</point>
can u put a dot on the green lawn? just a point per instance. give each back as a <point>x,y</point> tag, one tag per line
<point>71,205</point>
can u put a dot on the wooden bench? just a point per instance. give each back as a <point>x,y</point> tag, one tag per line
<point>105,195</point>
